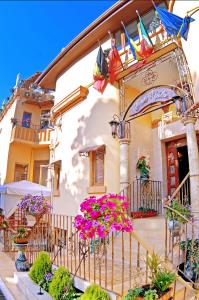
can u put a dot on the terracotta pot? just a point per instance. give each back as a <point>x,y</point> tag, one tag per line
<point>168,295</point>
<point>21,240</point>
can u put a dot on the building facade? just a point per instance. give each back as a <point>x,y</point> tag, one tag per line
<point>85,158</point>
<point>25,134</point>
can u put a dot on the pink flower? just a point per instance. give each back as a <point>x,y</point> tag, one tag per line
<point>102,216</point>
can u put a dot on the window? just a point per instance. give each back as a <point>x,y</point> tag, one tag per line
<point>44,119</point>
<point>56,179</point>
<point>26,121</point>
<point>150,20</point>
<point>40,173</point>
<point>97,170</point>
<point>21,172</point>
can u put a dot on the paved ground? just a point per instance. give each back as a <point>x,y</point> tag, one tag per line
<point>7,269</point>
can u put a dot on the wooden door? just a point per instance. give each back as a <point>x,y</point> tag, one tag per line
<point>172,168</point>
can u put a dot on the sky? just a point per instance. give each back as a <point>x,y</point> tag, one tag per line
<point>32,34</point>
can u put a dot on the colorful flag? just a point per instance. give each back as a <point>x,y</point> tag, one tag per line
<point>184,29</point>
<point>115,62</point>
<point>100,72</point>
<point>173,24</point>
<point>145,42</point>
<point>133,46</point>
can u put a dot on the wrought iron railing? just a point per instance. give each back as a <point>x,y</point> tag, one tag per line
<point>182,193</point>
<point>116,264</point>
<point>182,245</point>
<point>146,194</point>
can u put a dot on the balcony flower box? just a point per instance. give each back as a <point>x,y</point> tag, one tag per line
<point>143,214</point>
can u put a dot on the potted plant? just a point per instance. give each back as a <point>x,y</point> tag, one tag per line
<point>188,269</point>
<point>21,236</point>
<point>1,215</point>
<point>4,224</point>
<point>143,167</point>
<point>161,280</point>
<point>175,219</point>
<point>35,205</point>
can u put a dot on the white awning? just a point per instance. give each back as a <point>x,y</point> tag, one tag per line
<point>24,187</point>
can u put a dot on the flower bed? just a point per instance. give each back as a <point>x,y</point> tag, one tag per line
<point>143,214</point>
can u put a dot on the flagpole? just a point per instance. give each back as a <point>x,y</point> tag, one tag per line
<point>137,12</point>
<point>153,3</point>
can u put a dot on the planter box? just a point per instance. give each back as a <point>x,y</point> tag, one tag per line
<point>167,296</point>
<point>143,214</point>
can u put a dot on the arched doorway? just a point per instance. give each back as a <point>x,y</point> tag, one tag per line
<point>146,103</point>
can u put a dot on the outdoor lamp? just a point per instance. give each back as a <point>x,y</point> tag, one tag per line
<point>114,126</point>
<point>178,102</point>
<point>117,127</point>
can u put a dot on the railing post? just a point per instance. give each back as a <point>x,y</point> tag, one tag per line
<point>124,167</point>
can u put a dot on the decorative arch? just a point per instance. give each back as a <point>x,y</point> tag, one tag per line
<point>156,96</point>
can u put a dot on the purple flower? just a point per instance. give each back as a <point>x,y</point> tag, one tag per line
<point>48,276</point>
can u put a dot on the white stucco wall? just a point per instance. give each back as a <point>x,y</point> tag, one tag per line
<point>5,135</point>
<point>86,124</point>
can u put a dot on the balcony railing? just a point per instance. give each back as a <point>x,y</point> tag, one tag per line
<point>30,135</point>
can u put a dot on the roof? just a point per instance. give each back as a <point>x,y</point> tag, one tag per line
<point>124,10</point>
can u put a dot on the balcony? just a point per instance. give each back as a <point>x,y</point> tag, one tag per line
<point>31,136</point>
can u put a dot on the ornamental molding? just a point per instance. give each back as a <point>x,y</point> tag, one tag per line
<point>69,101</point>
<point>151,97</point>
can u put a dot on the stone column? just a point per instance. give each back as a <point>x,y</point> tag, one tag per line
<point>124,167</point>
<point>193,155</point>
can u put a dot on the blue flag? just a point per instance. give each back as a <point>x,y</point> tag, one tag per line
<point>184,29</point>
<point>173,24</point>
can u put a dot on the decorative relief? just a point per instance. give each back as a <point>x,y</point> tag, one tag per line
<point>150,77</point>
<point>150,97</point>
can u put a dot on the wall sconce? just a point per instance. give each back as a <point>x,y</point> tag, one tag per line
<point>117,127</point>
<point>178,103</point>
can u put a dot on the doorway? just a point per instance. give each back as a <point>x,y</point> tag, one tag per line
<point>178,168</point>
<point>183,162</point>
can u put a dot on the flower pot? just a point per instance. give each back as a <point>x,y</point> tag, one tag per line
<point>21,240</point>
<point>174,226</point>
<point>144,177</point>
<point>165,296</point>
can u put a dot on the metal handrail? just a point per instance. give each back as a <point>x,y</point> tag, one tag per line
<point>179,187</point>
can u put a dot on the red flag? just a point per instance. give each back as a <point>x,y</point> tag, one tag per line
<point>100,72</point>
<point>115,62</point>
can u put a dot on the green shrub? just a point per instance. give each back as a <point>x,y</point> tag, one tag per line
<point>95,292</point>
<point>61,284</point>
<point>40,268</point>
<point>164,279</point>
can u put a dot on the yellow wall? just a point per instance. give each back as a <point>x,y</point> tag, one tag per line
<point>24,154</point>
<point>24,107</point>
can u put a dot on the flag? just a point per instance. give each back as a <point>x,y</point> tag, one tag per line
<point>115,62</point>
<point>134,48</point>
<point>100,72</point>
<point>145,41</point>
<point>173,24</point>
<point>184,29</point>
